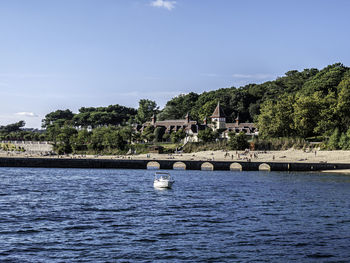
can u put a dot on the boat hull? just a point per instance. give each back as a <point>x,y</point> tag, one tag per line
<point>163,183</point>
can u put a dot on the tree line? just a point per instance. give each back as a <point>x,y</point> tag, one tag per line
<point>310,104</point>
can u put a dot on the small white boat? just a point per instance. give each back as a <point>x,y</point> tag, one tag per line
<point>162,180</point>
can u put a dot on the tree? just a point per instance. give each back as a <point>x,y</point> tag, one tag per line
<point>343,102</point>
<point>306,115</point>
<point>80,140</point>
<point>158,134</point>
<point>333,143</point>
<point>325,81</point>
<point>27,137</point>
<point>276,118</point>
<point>148,133</point>
<point>97,138</point>
<point>207,109</point>
<point>238,142</point>
<point>178,107</point>
<point>52,132</point>
<point>177,136</point>
<point>166,137</point>
<point>59,117</point>
<point>112,139</point>
<point>64,139</point>
<point>328,115</point>
<point>103,116</point>
<point>146,110</point>
<point>208,135</point>
<point>344,141</point>
<point>14,127</point>
<point>128,133</point>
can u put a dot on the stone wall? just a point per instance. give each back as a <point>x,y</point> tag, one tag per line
<point>163,164</point>
<point>31,146</point>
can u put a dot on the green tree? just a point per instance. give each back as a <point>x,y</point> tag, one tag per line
<point>158,134</point>
<point>52,132</point>
<point>178,107</point>
<point>59,117</point>
<point>344,141</point>
<point>328,115</point>
<point>343,102</point>
<point>146,109</point>
<point>306,115</point>
<point>207,109</point>
<point>27,137</point>
<point>97,136</point>
<point>208,135</point>
<point>148,133</point>
<point>325,81</point>
<point>103,116</point>
<point>80,141</point>
<point>276,118</point>
<point>64,139</point>
<point>238,142</point>
<point>166,137</point>
<point>128,133</point>
<point>14,127</point>
<point>176,137</point>
<point>113,140</point>
<point>333,143</point>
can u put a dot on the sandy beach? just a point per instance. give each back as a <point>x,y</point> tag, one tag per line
<point>258,156</point>
<point>291,155</point>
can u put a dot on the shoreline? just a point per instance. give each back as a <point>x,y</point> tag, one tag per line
<point>337,171</point>
<point>286,156</point>
<point>170,164</point>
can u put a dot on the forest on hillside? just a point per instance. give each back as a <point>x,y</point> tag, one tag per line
<point>309,104</point>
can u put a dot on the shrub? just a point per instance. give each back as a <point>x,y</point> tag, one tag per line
<point>238,142</point>
<point>280,143</point>
<point>203,146</point>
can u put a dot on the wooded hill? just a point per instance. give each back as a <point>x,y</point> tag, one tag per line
<point>300,104</point>
<point>310,103</point>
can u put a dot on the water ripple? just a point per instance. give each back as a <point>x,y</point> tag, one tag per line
<point>81,215</point>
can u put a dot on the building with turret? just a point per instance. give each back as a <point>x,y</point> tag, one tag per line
<point>191,127</point>
<point>218,120</point>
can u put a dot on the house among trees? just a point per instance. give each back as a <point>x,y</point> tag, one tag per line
<point>219,123</point>
<point>191,128</point>
<point>188,126</point>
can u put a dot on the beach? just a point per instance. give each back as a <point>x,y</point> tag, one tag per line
<point>290,155</point>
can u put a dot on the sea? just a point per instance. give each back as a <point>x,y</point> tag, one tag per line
<point>96,215</point>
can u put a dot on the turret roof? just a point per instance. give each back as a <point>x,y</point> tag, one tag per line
<point>218,112</point>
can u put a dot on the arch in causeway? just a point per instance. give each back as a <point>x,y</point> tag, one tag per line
<point>235,167</point>
<point>153,165</point>
<point>264,167</point>
<point>179,166</point>
<point>207,166</point>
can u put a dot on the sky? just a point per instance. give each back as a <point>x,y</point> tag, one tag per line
<point>68,54</point>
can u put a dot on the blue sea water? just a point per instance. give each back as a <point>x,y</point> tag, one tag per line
<point>83,215</point>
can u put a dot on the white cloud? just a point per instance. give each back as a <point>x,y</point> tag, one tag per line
<point>164,4</point>
<point>26,114</point>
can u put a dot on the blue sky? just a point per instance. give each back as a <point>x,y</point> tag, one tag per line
<point>61,54</point>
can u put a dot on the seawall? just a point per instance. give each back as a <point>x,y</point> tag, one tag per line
<point>167,164</point>
<point>32,146</point>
